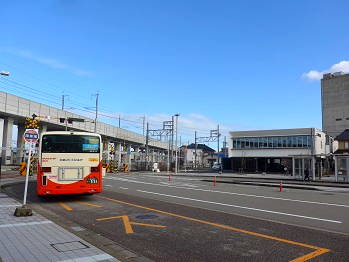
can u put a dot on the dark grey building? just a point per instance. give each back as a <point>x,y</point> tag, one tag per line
<point>335,103</point>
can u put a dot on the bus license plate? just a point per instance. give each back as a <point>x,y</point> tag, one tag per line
<point>92,180</point>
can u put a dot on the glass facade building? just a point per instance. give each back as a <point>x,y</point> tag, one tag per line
<point>272,142</point>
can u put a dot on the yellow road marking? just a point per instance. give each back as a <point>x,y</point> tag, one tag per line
<point>128,223</point>
<point>147,225</point>
<point>107,218</point>
<point>318,251</point>
<point>87,204</point>
<point>65,206</point>
<point>311,255</point>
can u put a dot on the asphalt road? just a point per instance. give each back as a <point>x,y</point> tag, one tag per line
<point>316,209</point>
<point>186,219</point>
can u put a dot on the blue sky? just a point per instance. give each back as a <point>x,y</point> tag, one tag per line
<point>240,64</point>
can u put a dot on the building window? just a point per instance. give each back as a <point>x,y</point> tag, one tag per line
<point>270,142</point>
<point>289,141</point>
<point>294,141</point>
<point>346,145</point>
<point>338,119</point>
<point>273,142</point>
<point>234,143</point>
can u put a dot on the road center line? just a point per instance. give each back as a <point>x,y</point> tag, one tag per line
<point>238,194</point>
<point>243,207</point>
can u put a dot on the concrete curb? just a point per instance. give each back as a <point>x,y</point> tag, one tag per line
<point>267,180</point>
<point>266,185</point>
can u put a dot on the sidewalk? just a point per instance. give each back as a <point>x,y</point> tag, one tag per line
<point>36,238</point>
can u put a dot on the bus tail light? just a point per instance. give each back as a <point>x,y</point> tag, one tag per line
<point>46,169</point>
<point>95,169</point>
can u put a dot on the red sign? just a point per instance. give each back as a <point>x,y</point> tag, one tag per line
<point>31,135</point>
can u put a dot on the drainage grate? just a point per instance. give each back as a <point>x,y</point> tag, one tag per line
<point>147,216</point>
<point>69,246</point>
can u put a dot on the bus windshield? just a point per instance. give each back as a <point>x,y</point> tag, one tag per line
<point>70,144</point>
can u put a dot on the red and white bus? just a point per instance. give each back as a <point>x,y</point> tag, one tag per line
<point>69,163</point>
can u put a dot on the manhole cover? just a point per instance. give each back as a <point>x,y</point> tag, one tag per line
<point>147,216</point>
<point>69,246</point>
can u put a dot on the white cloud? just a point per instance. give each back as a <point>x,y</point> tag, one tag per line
<point>342,66</point>
<point>50,62</point>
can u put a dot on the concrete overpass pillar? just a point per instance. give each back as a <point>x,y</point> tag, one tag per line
<point>136,155</point>
<point>118,148</point>
<point>128,159</point>
<point>7,141</point>
<point>20,144</point>
<point>43,129</point>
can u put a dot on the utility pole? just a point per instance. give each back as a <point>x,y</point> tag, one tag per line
<point>63,96</point>
<point>119,121</point>
<point>196,147</point>
<point>168,154</point>
<point>146,147</point>
<point>172,139</point>
<point>167,131</point>
<point>180,152</point>
<point>97,96</point>
<point>218,143</point>
<point>176,160</point>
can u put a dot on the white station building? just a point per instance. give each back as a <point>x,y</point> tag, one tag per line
<point>291,151</point>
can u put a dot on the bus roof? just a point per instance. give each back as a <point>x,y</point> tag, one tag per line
<point>69,133</point>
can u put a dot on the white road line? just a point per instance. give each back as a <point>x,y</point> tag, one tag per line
<point>180,178</point>
<point>124,187</point>
<point>101,257</point>
<point>243,207</point>
<point>27,224</point>
<point>239,194</point>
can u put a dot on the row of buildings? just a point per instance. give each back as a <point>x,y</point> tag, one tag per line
<point>298,151</point>
<point>292,151</point>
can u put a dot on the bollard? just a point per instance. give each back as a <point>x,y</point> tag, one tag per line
<point>280,188</point>
<point>214,181</point>
<point>169,178</point>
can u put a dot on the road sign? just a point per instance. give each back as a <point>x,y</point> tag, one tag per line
<point>31,135</point>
